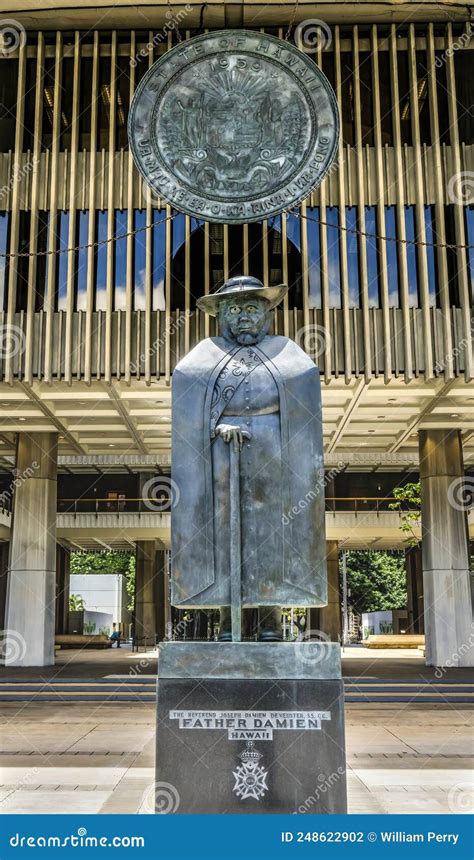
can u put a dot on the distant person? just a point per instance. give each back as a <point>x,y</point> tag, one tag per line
<point>115,636</point>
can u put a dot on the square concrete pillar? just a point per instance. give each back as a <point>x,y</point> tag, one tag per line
<point>145,593</point>
<point>4,553</point>
<point>32,568</point>
<point>330,615</point>
<point>414,574</point>
<point>446,583</point>
<point>63,572</point>
<point>161,594</point>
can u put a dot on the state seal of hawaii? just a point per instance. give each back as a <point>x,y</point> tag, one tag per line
<point>234,126</point>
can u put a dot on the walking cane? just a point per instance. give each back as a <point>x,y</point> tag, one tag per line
<point>235,540</point>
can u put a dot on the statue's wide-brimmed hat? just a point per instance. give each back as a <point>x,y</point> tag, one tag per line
<point>242,287</point>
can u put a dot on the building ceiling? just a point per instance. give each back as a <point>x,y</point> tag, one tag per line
<point>365,424</point>
<point>104,14</point>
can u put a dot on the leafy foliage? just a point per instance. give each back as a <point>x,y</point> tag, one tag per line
<point>76,603</point>
<point>408,500</point>
<point>100,562</point>
<point>376,580</point>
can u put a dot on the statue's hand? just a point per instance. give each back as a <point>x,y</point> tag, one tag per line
<point>231,433</point>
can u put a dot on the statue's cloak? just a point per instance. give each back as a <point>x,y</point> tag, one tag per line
<point>301,576</point>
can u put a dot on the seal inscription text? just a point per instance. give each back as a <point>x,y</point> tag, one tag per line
<point>233,126</point>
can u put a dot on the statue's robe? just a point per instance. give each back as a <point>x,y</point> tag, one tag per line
<point>272,390</point>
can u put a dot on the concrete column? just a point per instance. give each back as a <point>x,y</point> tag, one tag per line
<point>32,569</point>
<point>161,594</point>
<point>414,574</point>
<point>4,551</point>
<point>145,609</point>
<point>63,557</point>
<point>330,615</point>
<point>446,586</point>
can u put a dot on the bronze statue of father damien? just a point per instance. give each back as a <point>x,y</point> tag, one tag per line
<point>247,461</point>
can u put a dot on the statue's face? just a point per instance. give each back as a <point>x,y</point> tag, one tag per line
<point>245,321</point>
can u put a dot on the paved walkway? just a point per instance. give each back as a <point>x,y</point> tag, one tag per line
<point>357,661</point>
<point>99,757</point>
<point>72,758</point>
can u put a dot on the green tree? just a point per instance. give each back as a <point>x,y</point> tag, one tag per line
<point>408,500</point>
<point>130,574</point>
<point>76,603</point>
<point>376,580</point>
<point>113,561</point>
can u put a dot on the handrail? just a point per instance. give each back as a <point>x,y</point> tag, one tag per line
<point>134,505</point>
<point>148,499</point>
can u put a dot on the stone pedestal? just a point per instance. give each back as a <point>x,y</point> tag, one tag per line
<point>447,595</point>
<point>32,572</point>
<point>250,728</point>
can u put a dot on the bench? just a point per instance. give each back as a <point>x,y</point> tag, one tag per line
<point>77,640</point>
<point>395,640</point>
